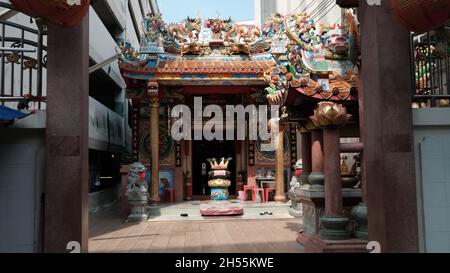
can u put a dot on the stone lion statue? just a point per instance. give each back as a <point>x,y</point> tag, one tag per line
<point>137,192</point>
<point>137,185</point>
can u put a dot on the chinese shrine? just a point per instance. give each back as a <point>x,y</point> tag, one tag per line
<point>308,69</point>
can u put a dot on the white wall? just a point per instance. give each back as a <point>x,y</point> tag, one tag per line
<point>264,8</point>
<point>21,183</point>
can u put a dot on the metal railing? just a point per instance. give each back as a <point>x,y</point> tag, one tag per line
<point>431,68</point>
<point>23,58</point>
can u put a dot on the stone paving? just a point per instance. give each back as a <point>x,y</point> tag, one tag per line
<point>255,234</point>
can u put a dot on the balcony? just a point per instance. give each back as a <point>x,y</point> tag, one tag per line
<point>102,47</point>
<point>431,68</point>
<point>106,128</point>
<point>112,14</point>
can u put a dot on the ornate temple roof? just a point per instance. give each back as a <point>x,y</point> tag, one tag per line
<point>215,64</point>
<point>202,68</point>
<point>291,53</point>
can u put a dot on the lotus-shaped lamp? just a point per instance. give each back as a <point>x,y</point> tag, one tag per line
<point>330,114</point>
<point>338,44</point>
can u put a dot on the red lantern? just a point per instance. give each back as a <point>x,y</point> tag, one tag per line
<point>66,13</point>
<point>421,15</point>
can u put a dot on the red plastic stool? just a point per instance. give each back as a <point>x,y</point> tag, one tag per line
<point>266,193</point>
<point>248,188</point>
<point>170,195</point>
<point>257,191</point>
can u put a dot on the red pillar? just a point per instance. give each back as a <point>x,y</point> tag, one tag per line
<point>333,184</point>
<point>316,177</point>
<point>306,153</point>
<point>317,151</point>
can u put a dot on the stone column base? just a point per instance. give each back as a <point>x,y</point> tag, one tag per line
<point>133,218</point>
<point>313,244</point>
<point>155,200</point>
<point>317,181</point>
<point>280,198</point>
<point>334,228</point>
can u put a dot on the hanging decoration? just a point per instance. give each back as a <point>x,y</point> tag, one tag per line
<point>135,144</point>
<point>178,154</point>
<point>293,145</point>
<point>251,153</point>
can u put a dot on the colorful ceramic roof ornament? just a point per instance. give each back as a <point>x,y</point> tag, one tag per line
<point>152,40</point>
<point>325,56</point>
<point>278,79</point>
<point>274,25</point>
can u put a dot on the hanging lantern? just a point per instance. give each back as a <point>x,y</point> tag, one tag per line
<point>421,15</point>
<point>66,13</point>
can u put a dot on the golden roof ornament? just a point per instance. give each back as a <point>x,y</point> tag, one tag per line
<point>222,165</point>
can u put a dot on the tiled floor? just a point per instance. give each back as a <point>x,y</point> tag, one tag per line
<point>252,211</point>
<point>109,234</point>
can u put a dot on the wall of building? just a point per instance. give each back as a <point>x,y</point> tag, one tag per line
<point>432,153</point>
<point>22,146</point>
<point>323,13</point>
<point>21,186</point>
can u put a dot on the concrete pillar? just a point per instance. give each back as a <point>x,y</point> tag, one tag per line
<point>388,137</point>
<point>154,142</point>
<point>67,157</point>
<point>280,195</point>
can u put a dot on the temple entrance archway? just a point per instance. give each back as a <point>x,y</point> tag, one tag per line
<point>202,150</point>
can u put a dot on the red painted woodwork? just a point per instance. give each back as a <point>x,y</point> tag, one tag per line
<point>57,12</point>
<point>421,15</point>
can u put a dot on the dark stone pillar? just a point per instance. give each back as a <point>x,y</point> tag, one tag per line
<point>67,179</point>
<point>388,137</point>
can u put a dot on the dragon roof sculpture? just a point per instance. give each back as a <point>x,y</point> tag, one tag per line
<point>227,37</point>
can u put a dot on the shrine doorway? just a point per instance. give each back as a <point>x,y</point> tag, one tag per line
<point>201,151</point>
